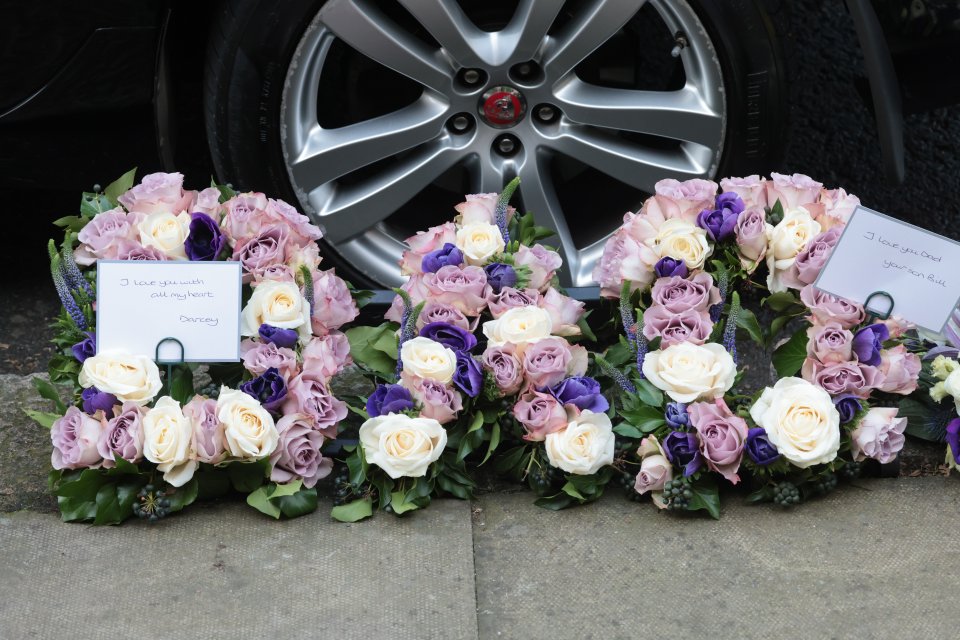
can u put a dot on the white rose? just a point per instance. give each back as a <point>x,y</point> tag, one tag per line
<point>402,446</point>
<point>682,240</point>
<point>952,387</point>
<point>167,232</point>
<point>167,435</point>
<point>585,445</point>
<point>479,242</point>
<point>519,325</point>
<point>800,420</point>
<point>249,430</point>
<point>785,242</point>
<point>279,304</point>
<point>130,378</point>
<point>426,358</point>
<point>688,372</point>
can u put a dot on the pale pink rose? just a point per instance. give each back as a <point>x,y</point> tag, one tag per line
<point>128,250</point>
<point>508,298</point>
<point>209,443</point>
<point>829,343</point>
<point>898,326</point>
<point>793,191</point>
<point>809,262</point>
<point>308,393</point>
<point>543,264</point>
<point>433,238</point>
<point>434,311</point>
<point>297,456</point>
<point>503,365</point>
<point>102,237</point>
<point>302,231</point>
<point>751,233</point>
<point>410,263</point>
<point>540,414</point>
<point>303,256</point>
<point>258,253</point>
<point>690,196</point>
<point>878,436</point>
<point>333,305</point>
<point>565,312</point>
<point>838,205</point>
<point>655,473</point>
<point>275,273</point>
<point>721,435</point>
<point>837,378</point>
<point>462,287</point>
<point>417,289</point>
<point>676,294</point>
<point>158,193</point>
<point>900,369</point>
<point>480,207</point>
<point>122,436</point>
<point>327,356</point>
<point>545,362</point>
<point>208,202</point>
<point>438,401</point>
<point>825,308</point>
<point>674,328</point>
<point>751,189</point>
<point>258,356</point>
<point>75,437</point>
<point>244,215</point>
<point>624,259</point>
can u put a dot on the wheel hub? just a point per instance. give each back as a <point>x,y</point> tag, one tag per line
<point>502,106</point>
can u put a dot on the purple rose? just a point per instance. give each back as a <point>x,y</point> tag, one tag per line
<point>297,455</point>
<point>721,435</point>
<point>434,311</point>
<point>838,378</point>
<point>95,400</point>
<point>503,364</point>
<point>388,398</point>
<point>123,436</point>
<point>205,240</point>
<point>86,348</point>
<point>683,451</point>
<point>674,328</point>
<point>667,267</point>
<point>868,342</point>
<point>447,254</point>
<point>308,393</point>
<point>438,401</point>
<point>676,415</point>
<point>847,406</point>
<point>462,287</point>
<point>508,298</point>
<point>825,308</point>
<point>582,392</point>
<point>719,223</point>
<point>269,388</point>
<point>540,414</point>
<point>953,439</point>
<point>500,275</point>
<point>450,336</point>
<point>545,362</point>
<point>468,376</point>
<point>75,437</point>
<point>262,251</point>
<point>259,356</point>
<point>759,447</point>
<point>829,343</point>
<point>209,441</point>
<point>283,338</point>
<point>677,295</point>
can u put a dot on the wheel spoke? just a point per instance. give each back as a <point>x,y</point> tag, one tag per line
<point>525,33</point>
<point>585,33</point>
<point>446,21</point>
<point>328,154</point>
<point>368,30</point>
<point>679,115</point>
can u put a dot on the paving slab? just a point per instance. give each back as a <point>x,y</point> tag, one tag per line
<point>877,561</point>
<point>224,571</point>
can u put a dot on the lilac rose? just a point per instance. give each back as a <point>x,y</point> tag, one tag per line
<point>205,240</point>
<point>879,436</point>
<point>257,357</point>
<point>297,456</point>
<point>308,393</point>
<point>102,237</point>
<point>133,251</point>
<point>565,312</point>
<point>389,398</point>
<point>540,414</point>
<point>829,343</point>
<point>462,287</point>
<point>825,308</point>
<point>503,365</point>
<point>257,253</point>
<point>674,328</point>
<point>545,362</point>
<point>157,192</point>
<point>751,189</point>
<point>543,264</point>
<point>721,434</point>
<point>677,295</point>
<point>122,436</point>
<point>900,369</point>
<point>812,259</point>
<point>751,236</point>
<point>508,298</point>
<point>437,400</point>
<point>75,437</point>
<point>333,305</point>
<point>434,311</point>
<point>327,356</point>
<point>209,441</point>
<point>838,378</point>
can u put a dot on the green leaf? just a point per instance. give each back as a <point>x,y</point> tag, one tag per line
<point>399,504</point>
<point>763,494</point>
<point>108,506</point>
<point>45,420</point>
<point>776,326</point>
<point>48,391</point>
<point>225,192</point>
<point>120,186</point>
<point>92,204</point>
<point>627,430</point>
<point>585,327</point>
<point>71,223</point>
<point>181,384</point>
<point>554,503</point>
<point>789,357</point>
<point>185,495</point>
<point>705,496</point>
<point>926,420</point>
<point>510,460</point>
<point>77,494</point>
<point>781,301</point>
<point>260,500</point>
<point>298,504</point>
<point>747,321</point>
<point>367,346</point>
<point>247,476</point>
<point>571,490</point>
<point>477,422</point>
<point>649,394</point>
<point>471,441</point>
<point>494,441</point>
<point>212,481</point>
<point>353,511</point>
<point>643,417</point>
<point>357,466</point>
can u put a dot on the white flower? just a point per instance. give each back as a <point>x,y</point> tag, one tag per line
<point>800,420</point>
<point>130,378</point>
<point>786,241</point>
<point>479,242</point>
<point>952,386</point>
<point>942,366</point>
<point>167,232</point>
<point>688,372</point>
<point>167,435</point>
<point>585,445</point>
<point>402,446</point>
<point>249,430</point>
<point>682,240</point>
<point>426,358</point>
<point>518,325</point>
<point>279,304</point>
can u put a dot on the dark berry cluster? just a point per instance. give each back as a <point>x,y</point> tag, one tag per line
<point>786,494</point>
<point>151,504</point>
<point>850,470</point>
<point>825,484</point>
<point>678,494</point>
<point>628,481</point>
<point>543,477</point>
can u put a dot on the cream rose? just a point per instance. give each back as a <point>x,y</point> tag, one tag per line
<point>402,446</point>
<point>167,434</point>
<point>167,232</point>
<point>688,372</point>
<point>786,241</point>
<point>130,378</point>
<point>518,326</point>
<point>479,242</point>
<point>800,420</point>
<point>279,304</point>
<point>426,358</point>
<point>585,445</point>
<point>681,240</point>
<point>249,430</point>
<point>952,386</point>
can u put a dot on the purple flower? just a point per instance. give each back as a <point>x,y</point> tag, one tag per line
<point>449,336</point>
<point>868,342</point>
<point>94,400</point>
<point>446,255</point>
<point>468,376</point>
<point>683,451</point>
<point>582,392</point>
<point>500,275</point>
<point>953,438</point>
<point>721,222</point>
<point>86,348</point>
<point>283,338</point>
<point>848,406</point>
<point>269,388</point>
<point>205,240</point>
<point>667,267</point>
<point>676,415</point>
<point>759,447</point>
<point>388,398</point>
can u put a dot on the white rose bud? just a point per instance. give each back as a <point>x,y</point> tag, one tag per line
<point>584,446</point>
<point>688,372</point>
<point>167,232</point>
<point>800,420</point>
<point>479,242</point>
<point>518,326</point>
<point>130,378</point>
<point>426,358</point>
<point>786,241</point>
<point>402,446</point>
<point>279,304</point>
<point>681,240</point>
<point>167,435</point>
<point>249,430</point>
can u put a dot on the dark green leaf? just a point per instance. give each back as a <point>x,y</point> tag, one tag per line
<point>627,430</point>
<point>789,357</point>
<point>353,511</point>
<point>554,503</point>
<point>571,490</point>
<point>181,384</point>
<point>108,506</point>
<point>705,496</point>
<point>260,500</point>
<point>212,481</point>
<point>649,394</point>
<point>763,494</point>
<point>246,476</point>
<point>585,327</point>
<point>747,321</point>
<point>776,326</point>
<point>120,186</point>
<point>510,460</point>
<point>781,300</point>
<point>357,466</point>
<point>297,504</point>
<point>366,345</point>
<point>48,391</point>
<point>494,441</point>
<point>185,495</point>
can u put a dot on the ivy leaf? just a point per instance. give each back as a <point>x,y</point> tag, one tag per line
<point>368,347</point>
<point>225,192</point>
<point>554,503</point>
<point>260,500</point>
<point>43,419</point>
<point>212,481</point>
<point>120,186</point>
<point>246,477</point>
<point>353,511</point>
<point>357,466</point>
<point>187,494</point>
<point>705,496</point>
<point>48,391</point>
<point>789,357</point>
<point>399,503</point>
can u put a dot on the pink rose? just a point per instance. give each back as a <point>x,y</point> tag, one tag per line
<point>122,436</point>
<point>543,264</point>
<point>208,202</point>
<point>838,205</point>
<point>879,436</point>
<point>262,251</point>
<point>480,207</point>
<point>837,378</point>
<point>209,442</point>
<point>505,368</point>
<point>829,343</point>
<point>127,250</point>
<point>302,231</point>
<point>825,308</point>
<point>812,259</point>
<point>102,237</point>
<point>751,234</point>
<point>259,356</point>
<point>308,393</point>
<point>565,312</point>
<point>545,362</point>
<point>305,256</point>
<point>792,191</point>
<point>691,196</point>
<point>752,190</point>
<point>898,326</point>
<point>245,214</point>
<point>900,369</point>
<point>676,294</point>
<point>410,263</point>
<point>540,414</point>
<point>721,435</point>
<point>433,238</point>
<point>75,437</point>
<point>674,328</point>
<point>158,193</point>
<point>508,298</point>
<point>275,273</point>
<point>434,311</point>
<point>297,456</point>
<point>328,355</point>
<point>624,258</point>
<point>655,471</point>
<point>462,287</point>
<point>333,304</point>
<point>439,401</point>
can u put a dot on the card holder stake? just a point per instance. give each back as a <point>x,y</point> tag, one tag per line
<point>169,363</point>
<point>875,315</point>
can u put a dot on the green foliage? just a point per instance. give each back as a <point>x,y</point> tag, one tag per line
<point>789,357</point>
<point>48,391</point>
<point>353,511</point>
<point>42,418</point>
<point>102,496</point>
<point>375,348</point>
<point>747,321</point>
<point>290,500</point>
<point>649,394</point>
<point>578,490</point>
<point>705,496</point>
<point>783,301</point>
<point>212,481</point>
<point>226,191</point>
<point>925,419</point>
<point>181,383</point>
<point>119,186</point>
<point>247,477</point>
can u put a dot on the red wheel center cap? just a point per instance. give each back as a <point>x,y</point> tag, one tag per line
<point>502,106</point>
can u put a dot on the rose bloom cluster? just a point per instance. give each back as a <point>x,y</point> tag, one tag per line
<point>946,371</point>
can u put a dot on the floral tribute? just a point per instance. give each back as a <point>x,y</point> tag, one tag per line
<point>687,425</point>
<point>132,442</point>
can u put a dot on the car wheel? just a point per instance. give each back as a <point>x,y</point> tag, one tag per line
<point>377,117</point>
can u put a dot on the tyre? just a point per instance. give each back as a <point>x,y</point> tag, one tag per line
<point>376,117</point>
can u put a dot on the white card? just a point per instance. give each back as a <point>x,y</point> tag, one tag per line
<point>918,268</point>
<point>140,303</point>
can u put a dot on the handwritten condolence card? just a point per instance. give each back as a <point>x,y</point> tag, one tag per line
<point>918,268</point>
<point>198,303</point>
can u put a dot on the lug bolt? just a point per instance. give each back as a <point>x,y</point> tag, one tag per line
<point>524,69</point>
<point>546,113</point>
<point>506,145</point>
<point>460,123</point>
<point>471,76</point>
